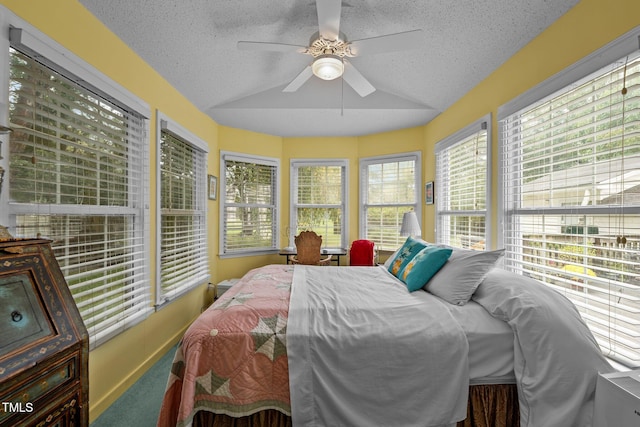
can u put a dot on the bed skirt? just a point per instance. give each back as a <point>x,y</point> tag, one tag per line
<point>488,406</point>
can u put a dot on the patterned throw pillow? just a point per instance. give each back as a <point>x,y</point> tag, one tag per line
<point>424,266</point>
<point>406,253</point>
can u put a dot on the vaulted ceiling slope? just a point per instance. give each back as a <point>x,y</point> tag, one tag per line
<point>194,45</point>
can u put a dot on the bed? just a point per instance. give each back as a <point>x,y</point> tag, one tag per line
<point>312,346</point>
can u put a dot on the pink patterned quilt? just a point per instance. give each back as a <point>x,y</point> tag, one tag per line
<point>233,359</point>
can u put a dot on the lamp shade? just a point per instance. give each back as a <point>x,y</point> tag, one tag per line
<point>327,67</point>
<point>410,225</point>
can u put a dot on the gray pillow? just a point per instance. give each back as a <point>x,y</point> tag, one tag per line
<point>387,263</point>
<point>458,279</point>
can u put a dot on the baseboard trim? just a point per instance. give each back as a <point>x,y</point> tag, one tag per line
<point>96,408</point>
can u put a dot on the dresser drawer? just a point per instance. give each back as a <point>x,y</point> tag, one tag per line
<point>65,412</point>
<point>34,390</point>
<point>22,318</point>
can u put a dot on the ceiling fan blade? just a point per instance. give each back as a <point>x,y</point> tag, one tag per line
<point>389,43</point>
<point>299,80</point>
<point>271,47</point>
<point>356,80</point>
<point>329,18</point>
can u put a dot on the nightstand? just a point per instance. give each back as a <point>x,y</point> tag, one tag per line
<point>617,399</point>
<point>224,286</point>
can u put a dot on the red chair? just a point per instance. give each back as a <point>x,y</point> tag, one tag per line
<point>362,253</point>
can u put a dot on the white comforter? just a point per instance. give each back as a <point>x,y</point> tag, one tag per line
<point>363,351</point>
<point>556,358</point>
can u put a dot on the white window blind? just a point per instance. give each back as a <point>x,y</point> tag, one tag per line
<point>571,171</point>
<point>183,223</point>
<point>461,188</point>
<point>389,187</point>
<point>249,204</point>
<point>76,175</point>
<point>318,198</point>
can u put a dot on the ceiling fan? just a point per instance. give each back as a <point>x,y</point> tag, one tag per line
<point>329,49</point>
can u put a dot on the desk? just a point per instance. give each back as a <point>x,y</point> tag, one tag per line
<point>335,254</point>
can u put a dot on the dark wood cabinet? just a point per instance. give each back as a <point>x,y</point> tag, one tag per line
<point>44,345</point>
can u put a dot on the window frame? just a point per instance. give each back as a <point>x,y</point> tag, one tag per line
<point>572,76</point>
<point>35,44</point>
<point>612,51</point>
<point>295,164</point>
<point>200,274</point>
<point>365,162</point>
<point>483,123</point>
<point>257,160</point>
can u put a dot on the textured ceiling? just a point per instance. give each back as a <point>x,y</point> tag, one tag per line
<point>193,45</point>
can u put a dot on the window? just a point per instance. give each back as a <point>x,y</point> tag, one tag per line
<point>250,204</point>
<point>390,186</point>
<point>318,200</point>
<point>462,192</point>
<point>77,169</point>
<point>183,255</point>
<point>570,165</point>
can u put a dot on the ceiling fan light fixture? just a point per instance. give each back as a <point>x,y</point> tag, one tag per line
<point>327,67</point>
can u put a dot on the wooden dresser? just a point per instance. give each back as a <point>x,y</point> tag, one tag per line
<point>44,345</point>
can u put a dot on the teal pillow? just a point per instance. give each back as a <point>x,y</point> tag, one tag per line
<point>405,254</point>
<point>424,266</point>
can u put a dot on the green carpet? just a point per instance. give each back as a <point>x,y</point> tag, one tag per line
<point>139,406</point>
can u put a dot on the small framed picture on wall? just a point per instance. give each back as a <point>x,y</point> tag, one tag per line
<point>428,193</point>
<point>213,187</point>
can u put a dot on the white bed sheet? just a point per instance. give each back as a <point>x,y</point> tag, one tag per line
<point>556,357</point>
<point>359,344</point>
<point>491,356</point>
<point>490,344</point>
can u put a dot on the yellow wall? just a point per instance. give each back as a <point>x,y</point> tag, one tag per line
<point>240,141</point>
<point>115,365</point>
<point>587,27</point>
<point>118,363</point>
<point>400,141</point>
<point>320,148</point>
<point>351,149</point>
